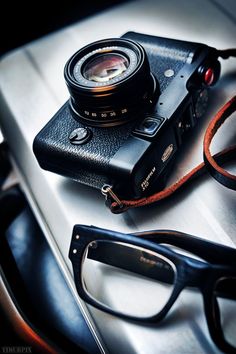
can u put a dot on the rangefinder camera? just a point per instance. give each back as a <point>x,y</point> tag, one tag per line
<point>133,101</point>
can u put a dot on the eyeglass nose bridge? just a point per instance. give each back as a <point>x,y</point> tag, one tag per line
<point>194,274</point>
<point>212,314</point>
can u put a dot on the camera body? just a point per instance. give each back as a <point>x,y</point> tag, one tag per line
<point>135,156</point>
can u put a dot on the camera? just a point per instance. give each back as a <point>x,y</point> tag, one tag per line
<point>133,101</point>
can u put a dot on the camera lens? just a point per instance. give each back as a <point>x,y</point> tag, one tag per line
<point>109,82</point>
<point>105,67</point>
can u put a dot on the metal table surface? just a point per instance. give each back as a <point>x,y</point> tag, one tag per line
<point>33,89</point>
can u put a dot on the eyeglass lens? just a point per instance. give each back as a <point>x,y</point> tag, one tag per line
<point>225,293</point>
<point>128,279</point>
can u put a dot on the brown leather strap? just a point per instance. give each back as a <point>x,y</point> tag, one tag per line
<point>221,175</point>
<point>211,164</point>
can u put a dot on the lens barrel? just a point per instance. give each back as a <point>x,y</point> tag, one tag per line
<point>109,81</point>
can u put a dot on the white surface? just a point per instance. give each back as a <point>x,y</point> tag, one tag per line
<point>33,89</point>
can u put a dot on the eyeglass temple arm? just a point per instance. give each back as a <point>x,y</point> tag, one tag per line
<point>140,263</point>
<point>132,260</point>
<point>207,250</point>
<point>135,261</point>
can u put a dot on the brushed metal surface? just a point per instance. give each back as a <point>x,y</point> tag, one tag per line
<point>33,89</point>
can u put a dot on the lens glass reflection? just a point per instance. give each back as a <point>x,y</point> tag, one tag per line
<point>105,67</point>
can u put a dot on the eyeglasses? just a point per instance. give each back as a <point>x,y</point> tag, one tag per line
<point>139,276</point>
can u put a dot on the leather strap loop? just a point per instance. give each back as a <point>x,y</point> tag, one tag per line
<point>211,164</point>
<point>221,175</point>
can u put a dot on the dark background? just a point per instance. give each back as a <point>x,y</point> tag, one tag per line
<point>22,22</point>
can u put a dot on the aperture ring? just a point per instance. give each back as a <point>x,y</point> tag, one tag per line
<point>100,117</point>
<point>114,116</point>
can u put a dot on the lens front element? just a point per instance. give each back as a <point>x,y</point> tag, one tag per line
<point>127,279</point>
<point>105,67</point>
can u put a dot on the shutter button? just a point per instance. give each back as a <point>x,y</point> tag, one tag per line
<point>209,77</point>
<point>80,136</point>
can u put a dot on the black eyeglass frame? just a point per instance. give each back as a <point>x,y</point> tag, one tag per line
<point>220,263</point>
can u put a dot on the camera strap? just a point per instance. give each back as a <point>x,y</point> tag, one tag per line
<point>211,164</point>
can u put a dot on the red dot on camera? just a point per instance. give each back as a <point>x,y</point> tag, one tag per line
<point>209,76</point>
